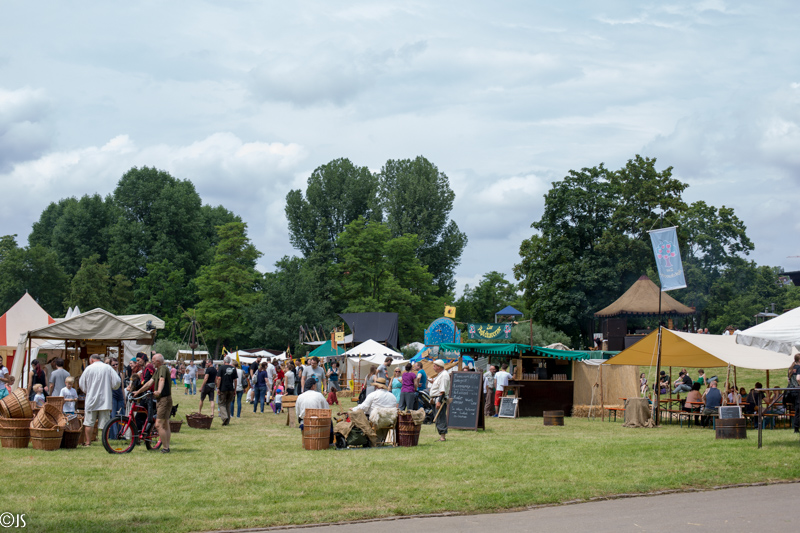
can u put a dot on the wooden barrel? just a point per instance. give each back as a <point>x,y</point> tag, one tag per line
<point>316,433</point>
<point>553,418</point>
<point>17,404</point>
<point>408,432</point>
<point>732,428</point>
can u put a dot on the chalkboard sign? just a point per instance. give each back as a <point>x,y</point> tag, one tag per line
<point>730,411</point>
<point>508,407</point>
<point>466,408</point>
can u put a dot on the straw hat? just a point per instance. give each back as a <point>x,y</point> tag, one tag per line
<point>380,383</point>
<point>439,362</point>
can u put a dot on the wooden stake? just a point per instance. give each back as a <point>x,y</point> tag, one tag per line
<point>602,400</point>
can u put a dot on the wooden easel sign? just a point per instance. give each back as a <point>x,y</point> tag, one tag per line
<point>466,401</point>
<point>509,406</point>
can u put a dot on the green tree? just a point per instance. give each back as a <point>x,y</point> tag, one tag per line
<point>34,269</point>
<point>75,229</point>
<point>416,198</point>
<point>289,298</point>
<point>162,292</point>
<point>227,287</point>
<point>91,286</point>
<point>379,273</point>
<point>491,294</point>
<point>337,193</point>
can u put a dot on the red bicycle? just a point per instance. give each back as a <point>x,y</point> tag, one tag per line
<point>121,434</point>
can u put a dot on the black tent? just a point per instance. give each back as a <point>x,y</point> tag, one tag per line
<point>380,327</point>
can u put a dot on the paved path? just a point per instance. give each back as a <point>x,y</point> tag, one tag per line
<point>743,509</point>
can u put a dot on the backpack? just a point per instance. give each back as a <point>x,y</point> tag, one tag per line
<point>245,381</point>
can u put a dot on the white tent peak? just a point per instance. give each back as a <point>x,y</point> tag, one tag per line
<point>371,347</point>
<point>779,334</point>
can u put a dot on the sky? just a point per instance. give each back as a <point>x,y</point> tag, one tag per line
<point>247,98</point>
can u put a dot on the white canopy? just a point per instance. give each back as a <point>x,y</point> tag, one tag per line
<point>248,358</point>
<point>371,347</point>
<point>779,334</point>
<point>695,350</point>
<point>368,354</point>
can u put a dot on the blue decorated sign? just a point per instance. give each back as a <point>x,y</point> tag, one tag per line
<point>441,330</point>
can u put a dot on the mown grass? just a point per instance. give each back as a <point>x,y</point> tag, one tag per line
<point>255,473</point>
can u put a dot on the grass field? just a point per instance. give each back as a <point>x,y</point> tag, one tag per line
<point>255,473</point>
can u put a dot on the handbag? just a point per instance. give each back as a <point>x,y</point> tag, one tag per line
<point>362,395</point>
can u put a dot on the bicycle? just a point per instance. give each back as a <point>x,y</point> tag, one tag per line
<point>121,434</point>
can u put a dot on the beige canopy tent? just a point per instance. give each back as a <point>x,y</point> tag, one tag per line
<point>96,327</point>
<point>642,299</point>
<point>695,350</point>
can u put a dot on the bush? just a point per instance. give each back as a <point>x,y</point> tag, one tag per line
<point>542,335</point>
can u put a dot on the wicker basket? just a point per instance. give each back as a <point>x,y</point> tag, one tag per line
<point>49,417</point>
<point>317,413</point>
<point>198,421</point>
<point>74,424</point>
<point>47,439</point>
<point>55,401</point>
<point>175,426</point>
<point>4,410</point>
<point>17,404</point>
<point>15,437</point>
<point>71,439</point>
<point>15,422</point>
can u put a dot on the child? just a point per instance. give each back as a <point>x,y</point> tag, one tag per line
<point>332,399</point>
<point>39,396</point>
<point>70,396</point>
<point>278,396</point>
<point>187,383</point>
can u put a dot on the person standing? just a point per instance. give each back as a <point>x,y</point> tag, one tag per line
<point>383,370</point>
<point>260,387</point>
<point>501,382</point>
<point>310,399</point>
<point>271,375</point>
<point>794,381</point>
<point>333,377</point>
<point>397,384</point>
<point>315,371</point>
<point>422,376</point>
<point>162,382</point>
<point>36,376</point>
<point>489,386</point>
<point>289,379</point>
<point>191,369</point>
<point>209,386</point>
<point>58,377</point>
<point>4,380</point>
<point>173,374</point>
<point>97,382</point>
<point>439,391</point>
<point>117,399</point>
<point>408,389</point>
<point>226,385</point>
<point>241,378</point>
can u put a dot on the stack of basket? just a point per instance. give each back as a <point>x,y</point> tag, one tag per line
<point>72,432</point>
<point>15,419</point>
<point>316,429</point>
<point>47,428</point>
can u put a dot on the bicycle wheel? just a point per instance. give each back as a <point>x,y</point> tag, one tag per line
<point>153,441</point>
<point>118,435</point>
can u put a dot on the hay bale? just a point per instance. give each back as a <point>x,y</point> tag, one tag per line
<point>582,411</point>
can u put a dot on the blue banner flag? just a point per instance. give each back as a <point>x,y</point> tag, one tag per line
<point>668,258</point>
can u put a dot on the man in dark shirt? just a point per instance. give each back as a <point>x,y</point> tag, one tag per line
<point>162,382</point>
<point>208,387</point>
<point>226,384</point>
<point>683,383</point>
<point>713,401</point>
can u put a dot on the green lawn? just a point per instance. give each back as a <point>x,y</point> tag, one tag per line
<point>255,473</point>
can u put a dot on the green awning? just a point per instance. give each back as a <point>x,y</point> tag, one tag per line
<point>488,349</point>
<point>325,350</point>
<point>569,355</point>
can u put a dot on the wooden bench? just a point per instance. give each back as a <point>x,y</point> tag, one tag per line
<point>615,410</point>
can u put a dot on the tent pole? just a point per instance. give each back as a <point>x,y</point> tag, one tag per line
<point>727,385</point>
<point>30,385</point>
<point>658,368</point>
<point>602,398</point>
<point>735,382</point>
<point>767,378</point>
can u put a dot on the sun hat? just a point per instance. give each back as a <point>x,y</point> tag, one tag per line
<point>439,362</point>
<point>380,383</point>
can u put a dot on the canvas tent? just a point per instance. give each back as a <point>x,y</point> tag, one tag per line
<point>695,350</point>
<point>326,350</point>
<point>779,334</point>
<point>382,327</point>
<point>507,311</point>
<point>21,317</point>
<point>98,327</point>
<point>368,354</point>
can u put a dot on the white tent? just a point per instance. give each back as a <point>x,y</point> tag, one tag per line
<point>368,354</point>
<point>779,334</point>
<point>694,350</point>
<point>248,358</point>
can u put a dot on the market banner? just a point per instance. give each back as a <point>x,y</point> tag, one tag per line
<point>489,331</point>
<point>668,258</point>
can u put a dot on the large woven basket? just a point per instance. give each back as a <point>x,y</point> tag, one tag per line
<point>17,404</point>
<point>15,437</point>
<point>198,421</point>
<point>72,433</point>
<point>317,413</point>
<point>49,417</point>
<point>15,422</point>
<point>55,401</point>
<point>4,410</point>
<point>47,439</point>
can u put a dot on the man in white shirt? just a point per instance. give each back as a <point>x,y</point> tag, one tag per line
<point>271,373</point>
<point>501,378</point>
<point>310,399</point>
<point>97,381</point>
<point>489,386</point>
<point>380,397</point>
<point>440,389</point>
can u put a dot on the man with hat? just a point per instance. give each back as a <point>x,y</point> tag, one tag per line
<point>439,391</point>
<point>310,399</point>
<point>380,397</point>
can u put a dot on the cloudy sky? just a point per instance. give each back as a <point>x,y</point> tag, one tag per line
<point>247,98</point>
